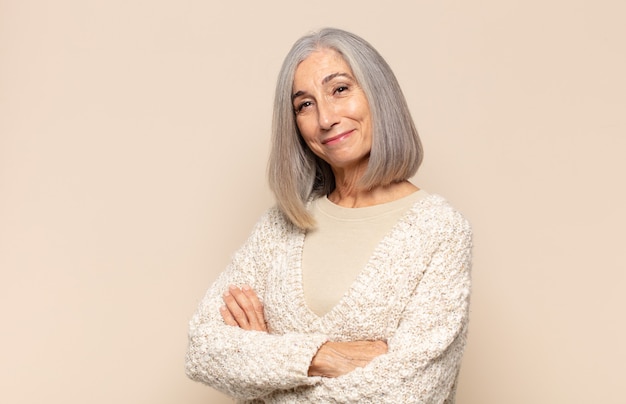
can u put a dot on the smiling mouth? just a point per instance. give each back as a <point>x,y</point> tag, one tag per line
<point>337,138</point>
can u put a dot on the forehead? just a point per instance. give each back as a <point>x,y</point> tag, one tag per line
<point>318,65</point>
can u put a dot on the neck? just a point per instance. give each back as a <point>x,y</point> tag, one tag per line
<point>348,194</point>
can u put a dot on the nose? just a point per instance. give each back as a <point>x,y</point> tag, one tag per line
<point>327,114</point>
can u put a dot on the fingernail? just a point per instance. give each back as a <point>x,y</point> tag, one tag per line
<point>226,294</point>
<point>246,287</point>
<point>232,287</point>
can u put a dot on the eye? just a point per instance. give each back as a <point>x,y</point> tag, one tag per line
<point>341,89</point>
<point>303,105</point>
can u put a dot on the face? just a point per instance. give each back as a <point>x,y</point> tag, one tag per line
<point>332,112</point>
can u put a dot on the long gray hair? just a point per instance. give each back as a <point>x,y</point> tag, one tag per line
<point>295,173</point>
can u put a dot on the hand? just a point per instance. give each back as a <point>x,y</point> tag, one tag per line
<point>242,308</point>
<point>335,359</point>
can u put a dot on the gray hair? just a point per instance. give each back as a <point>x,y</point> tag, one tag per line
<point>295,173</point>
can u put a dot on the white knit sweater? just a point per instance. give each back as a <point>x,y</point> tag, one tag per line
<point>413,293</point>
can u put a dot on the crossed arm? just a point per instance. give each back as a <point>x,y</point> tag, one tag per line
<point>242,308</point>
<point>231,348</point>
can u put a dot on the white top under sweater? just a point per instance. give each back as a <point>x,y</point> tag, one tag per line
<point>413,293</point>
<point>340,245</point>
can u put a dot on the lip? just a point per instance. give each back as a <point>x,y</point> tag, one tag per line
<point>337,138</point>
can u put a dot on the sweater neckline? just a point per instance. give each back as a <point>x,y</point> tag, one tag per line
<point>359,285</point>
<point>324,205</point>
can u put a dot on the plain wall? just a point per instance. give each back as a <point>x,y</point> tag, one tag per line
<point>133,146</point>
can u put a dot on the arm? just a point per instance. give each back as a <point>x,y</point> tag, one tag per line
<point>247,364</point>
<point>242,308</point>
<point>425,352</point>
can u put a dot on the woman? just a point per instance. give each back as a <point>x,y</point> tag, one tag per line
<point>355,288</point>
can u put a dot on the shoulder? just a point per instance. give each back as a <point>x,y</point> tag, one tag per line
<point>273,223</point>
<point>266,235</point>
<point>436,215</point>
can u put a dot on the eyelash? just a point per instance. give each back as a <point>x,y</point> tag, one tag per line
<point>302,105</point>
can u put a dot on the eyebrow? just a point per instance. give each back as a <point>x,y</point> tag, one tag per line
<point>324,81</point>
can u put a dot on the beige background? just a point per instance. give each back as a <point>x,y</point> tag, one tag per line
<point>133,144</point>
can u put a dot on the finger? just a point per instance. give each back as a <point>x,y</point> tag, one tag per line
<point>248,308</point>
<point>228,317</point>
<point>257,306</point>
<point>235,310</point>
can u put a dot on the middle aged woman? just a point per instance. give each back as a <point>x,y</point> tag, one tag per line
<point>355,288</point>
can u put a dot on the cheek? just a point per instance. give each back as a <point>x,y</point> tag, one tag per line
<point>306,131</point>
<point>362,109</point>
<point>312,145</point>
<point>305,128</point>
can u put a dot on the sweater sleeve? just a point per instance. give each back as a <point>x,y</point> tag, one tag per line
<point>247,364</point>
<point>424,354</point>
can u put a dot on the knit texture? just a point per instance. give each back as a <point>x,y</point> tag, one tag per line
<point>413,293</point>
